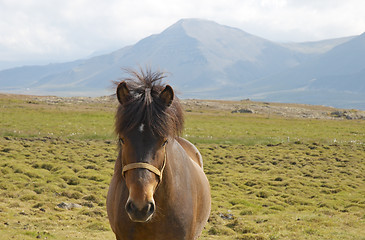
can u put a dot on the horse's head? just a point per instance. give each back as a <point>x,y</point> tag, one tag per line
<point>143,127</point>
<point>143,160</point>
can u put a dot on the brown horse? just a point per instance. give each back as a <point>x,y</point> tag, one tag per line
<point>159,189</point>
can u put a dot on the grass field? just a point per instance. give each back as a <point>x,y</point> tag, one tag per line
<point>271,177</point>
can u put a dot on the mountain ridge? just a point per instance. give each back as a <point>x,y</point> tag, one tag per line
<point>209,60</point>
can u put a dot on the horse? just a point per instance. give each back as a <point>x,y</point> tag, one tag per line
<point>159,189</point>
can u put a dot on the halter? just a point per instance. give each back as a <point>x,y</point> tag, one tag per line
<point>148,167</point>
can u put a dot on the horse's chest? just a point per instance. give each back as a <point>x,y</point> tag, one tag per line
<point>151,231</point>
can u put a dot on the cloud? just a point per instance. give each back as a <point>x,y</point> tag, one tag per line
<point>69,29</point>
<point>294,20</point>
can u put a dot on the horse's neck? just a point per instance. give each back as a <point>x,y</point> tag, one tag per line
<point>176,154</point>
<point>177,162</point>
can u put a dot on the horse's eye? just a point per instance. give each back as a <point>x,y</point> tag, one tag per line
<point>121,140</point>
<point>164,143</point>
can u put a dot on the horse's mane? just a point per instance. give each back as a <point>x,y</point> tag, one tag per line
<point>145,106</point>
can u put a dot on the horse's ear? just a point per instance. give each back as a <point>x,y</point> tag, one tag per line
<point>167,95</point>
<point>123,93</point>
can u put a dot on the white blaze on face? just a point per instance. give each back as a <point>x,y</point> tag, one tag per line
<point>141,128</point>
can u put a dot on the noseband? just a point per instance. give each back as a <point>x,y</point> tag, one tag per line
<point>147,166</point>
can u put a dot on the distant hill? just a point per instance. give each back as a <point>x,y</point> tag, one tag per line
<point>208,60</point>
<point>317,47</point>
<point>336,78</point>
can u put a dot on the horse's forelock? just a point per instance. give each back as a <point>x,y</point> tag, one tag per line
<point>145,106</point>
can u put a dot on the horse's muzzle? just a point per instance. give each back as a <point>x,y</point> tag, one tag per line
<point>143,214</point>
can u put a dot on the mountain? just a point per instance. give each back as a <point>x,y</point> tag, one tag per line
<point>205,60</point>
<point>336,77</point>
<point>202,56</point>
<point>317,47</point>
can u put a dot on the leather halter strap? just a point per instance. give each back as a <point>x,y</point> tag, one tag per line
<point>146,166</point>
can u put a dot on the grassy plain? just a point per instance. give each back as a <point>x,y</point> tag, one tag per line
<point>271,177</point>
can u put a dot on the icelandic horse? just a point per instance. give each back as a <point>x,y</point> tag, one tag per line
<point>158,189</point>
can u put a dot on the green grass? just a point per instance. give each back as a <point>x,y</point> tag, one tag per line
<point>289,191</point>
<point>225,127</point>
<point>32,119</point>
<point>39,173</point>
<point>271,178</point>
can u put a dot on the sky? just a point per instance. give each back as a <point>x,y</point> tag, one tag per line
<point>42,31</point>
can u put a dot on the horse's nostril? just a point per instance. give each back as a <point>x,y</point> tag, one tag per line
<point>140,214</point>
<point>150,208</point>
<point>130,207</point>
